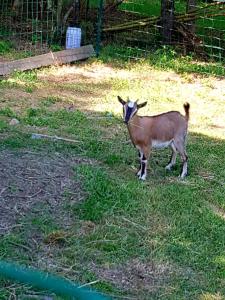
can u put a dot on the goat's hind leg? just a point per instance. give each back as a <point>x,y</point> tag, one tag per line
<point>184,171</point>
<point>172,161</point>
<point>181,149</point>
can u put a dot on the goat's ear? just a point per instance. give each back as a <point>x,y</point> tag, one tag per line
<point>141,105</point>
<point>121,100</point>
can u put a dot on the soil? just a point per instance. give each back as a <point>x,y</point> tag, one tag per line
<point>135,276</point>
<point>29,179</point>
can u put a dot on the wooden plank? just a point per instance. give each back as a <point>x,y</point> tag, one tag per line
<point>52,58</point>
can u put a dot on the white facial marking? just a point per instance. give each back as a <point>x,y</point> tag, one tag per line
<point>130,104</point>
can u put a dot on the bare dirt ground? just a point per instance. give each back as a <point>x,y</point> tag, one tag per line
<point>136,275</point>
<point>28,179</point>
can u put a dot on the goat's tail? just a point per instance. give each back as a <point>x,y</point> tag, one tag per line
<point>186,108</point>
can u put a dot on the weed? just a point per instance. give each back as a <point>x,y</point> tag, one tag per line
<point>8,112</point>
<point>56,47</point>
<point>28,76</point>
<point>3,126</point>
<point>5,46</point>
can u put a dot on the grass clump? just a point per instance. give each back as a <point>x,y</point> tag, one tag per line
<point>5,47</point>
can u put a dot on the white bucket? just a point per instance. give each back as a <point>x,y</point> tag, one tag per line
<point>73,37</point>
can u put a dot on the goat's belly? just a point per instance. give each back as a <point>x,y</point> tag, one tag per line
<point>159,144</point>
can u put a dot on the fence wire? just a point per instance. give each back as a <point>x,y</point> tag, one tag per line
<point>132,28</point>
<point>197,28</point>
<point>26,26</point>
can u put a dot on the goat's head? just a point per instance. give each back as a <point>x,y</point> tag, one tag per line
<point>130,108</point>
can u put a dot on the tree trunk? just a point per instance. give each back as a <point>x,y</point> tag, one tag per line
<point>76,16</point>
<point>16,6</point>
<point>191,5</point>
<point>167,20</point>
<point>59,14</point>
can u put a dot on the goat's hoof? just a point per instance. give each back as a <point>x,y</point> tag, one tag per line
<point>168,168</point>
<point>142,178</point>
<point>138,173</point>
<point>182,176</point>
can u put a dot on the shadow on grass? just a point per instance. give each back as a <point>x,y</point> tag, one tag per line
<point>162,220</point>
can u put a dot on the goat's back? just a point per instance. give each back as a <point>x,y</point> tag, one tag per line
<point>165,126</point>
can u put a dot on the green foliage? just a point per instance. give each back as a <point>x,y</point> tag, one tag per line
<point>28,76</point>
<point>56,47</point>
<point>8,112</point>
<point>3,126</point>
<point>165,58</point>
<point>5,47</point>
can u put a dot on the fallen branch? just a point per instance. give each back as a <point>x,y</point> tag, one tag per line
<point>52,137</point>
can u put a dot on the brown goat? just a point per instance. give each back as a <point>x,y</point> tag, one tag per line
<point>160,131</point>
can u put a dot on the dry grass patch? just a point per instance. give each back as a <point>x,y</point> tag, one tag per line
<point>136,276</point>
<point>29,179</point>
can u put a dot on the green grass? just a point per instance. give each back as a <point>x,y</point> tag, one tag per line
<point>5,46</point>
<point>8,51</point>
<point>165,58</point>
<point>164,222</point>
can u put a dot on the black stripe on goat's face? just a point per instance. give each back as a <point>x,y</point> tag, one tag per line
<point>129,110</point>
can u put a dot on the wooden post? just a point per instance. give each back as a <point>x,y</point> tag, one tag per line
<point>191,5</point>
<point>99,27</point>
<point>58,15</point>
<point>76,13</point>
<point>167,20</point>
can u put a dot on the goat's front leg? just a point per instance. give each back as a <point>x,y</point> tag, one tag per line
<point>144,162</point>
<point>140,156</point>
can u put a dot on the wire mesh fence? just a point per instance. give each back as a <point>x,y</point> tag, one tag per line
<point>31,27</point>
<point>190,26</point>
<point>26,26</point>
<point>132,28</point>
